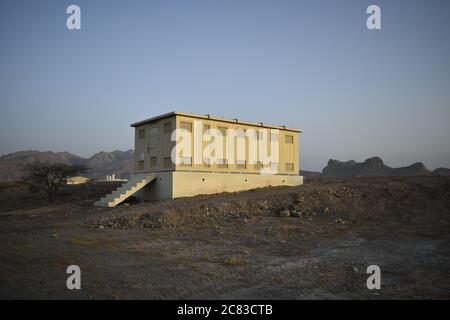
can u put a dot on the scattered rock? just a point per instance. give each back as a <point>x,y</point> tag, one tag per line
<point>284,213</point>
<point>296,213</point>
<point>305,204</point>
<point>339,220</point>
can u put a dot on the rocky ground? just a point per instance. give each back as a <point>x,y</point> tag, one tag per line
<point>313,241</point>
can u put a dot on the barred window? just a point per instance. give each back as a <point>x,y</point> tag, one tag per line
<point>289,139</point>
<point>223,130</point>
<point>186,126</point>
<point>168,127</point>
<point>187,161</point>
<point>241,164</point>
<point>154,132</point>
<point>240,133</point>
<point>274,137</point>
<point>167,162</point>
<point>260,135</point>
<point>141,134</point>
<point>222,163</point>
<point>276,166</point>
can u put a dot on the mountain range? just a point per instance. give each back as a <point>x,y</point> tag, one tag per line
<point>374,167</point>
<point>121,163</point>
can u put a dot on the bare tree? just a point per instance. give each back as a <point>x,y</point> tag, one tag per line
<point>49,177</point>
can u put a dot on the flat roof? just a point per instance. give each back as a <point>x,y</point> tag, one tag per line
<point>209,117</point>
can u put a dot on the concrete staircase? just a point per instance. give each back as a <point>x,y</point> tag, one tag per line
<point>133,185</point>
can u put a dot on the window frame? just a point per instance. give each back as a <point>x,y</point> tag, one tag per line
<point>289,139</point>
<point>288,165</point>
<point>141,134</point>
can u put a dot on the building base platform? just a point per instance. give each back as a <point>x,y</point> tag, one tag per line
<point>178,184</point>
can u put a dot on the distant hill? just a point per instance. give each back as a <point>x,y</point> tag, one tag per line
<point>120,163</point>
<point>442,172</point>
<point>310,174</point>
<point>376,167</point>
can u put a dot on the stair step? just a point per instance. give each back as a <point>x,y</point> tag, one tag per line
<point>133,185</point>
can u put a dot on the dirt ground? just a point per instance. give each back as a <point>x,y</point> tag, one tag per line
<point>232,246</point>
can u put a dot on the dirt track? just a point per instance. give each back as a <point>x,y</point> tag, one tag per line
<point>234,245</point>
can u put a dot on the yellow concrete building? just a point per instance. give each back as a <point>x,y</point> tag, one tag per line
<point>182,154</point>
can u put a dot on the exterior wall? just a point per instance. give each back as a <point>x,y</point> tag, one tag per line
<point>160,189</point>
<point>153,148</point>
<point>188,184</point>
<point>154,143</point>
<point>288,152</point>
<point>177,184</point>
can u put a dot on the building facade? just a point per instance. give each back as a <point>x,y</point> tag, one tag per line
<point>158,150</point>
<point>183,155</point>
<point>154,145</point>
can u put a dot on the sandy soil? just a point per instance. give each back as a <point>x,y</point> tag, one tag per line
<point>233,246</point>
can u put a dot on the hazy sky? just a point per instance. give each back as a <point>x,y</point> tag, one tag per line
<point>310,64</point>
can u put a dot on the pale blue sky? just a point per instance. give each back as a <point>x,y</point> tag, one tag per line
<point>309,64</point>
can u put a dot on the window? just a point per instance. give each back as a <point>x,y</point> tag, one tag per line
<point>222,163</point>
<point>240,133</point>
<point>258,165</point>
<point>168,127</point>
<point>275,166</point>
<point>241,164</point>
<point>154,132</point>
<point>274,137</point>
<point>141,156</point>
<point>140,165</point>
<point>289,139</point>
<point>223,131</point>
<point>167,162</point>
<point>186,126</point>
<point>207,162</point>
<point>240,146</point>
<point>289,166</point>
<point>153,162</point>
<point>141,134</point>
<point>187,161</point>
<point>206,138</point>
<point>206,133</point>
<point>259,135</point>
